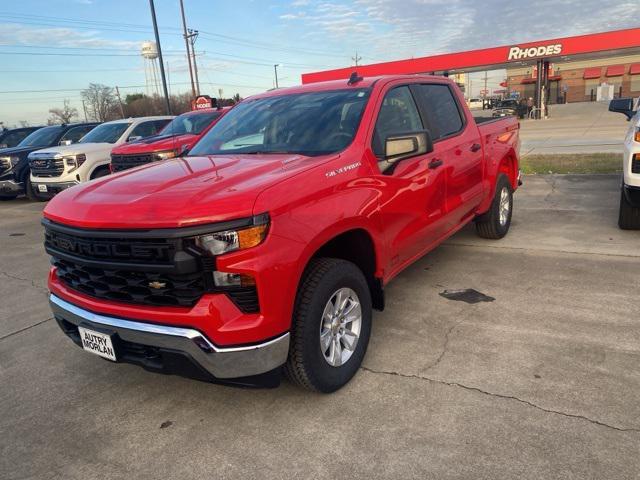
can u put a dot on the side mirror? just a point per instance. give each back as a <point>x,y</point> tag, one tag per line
<point>134,138</point>
<point>406,145</point>
<point>65,142</point>
<point>623,106</point>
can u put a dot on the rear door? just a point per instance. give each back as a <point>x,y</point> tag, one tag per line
<point>457,144</point>
<point>412,199</point>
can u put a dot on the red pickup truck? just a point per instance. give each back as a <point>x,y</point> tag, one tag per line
<point>272,241</point>
<point>176,137</point>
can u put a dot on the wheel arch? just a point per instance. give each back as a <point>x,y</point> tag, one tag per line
<point>355,245</point>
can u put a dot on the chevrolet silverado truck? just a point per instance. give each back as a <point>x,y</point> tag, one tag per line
<point>177,137</point>
<point>629,213</point>
<point>56,169</point>
<point>267,247</point>
<point>14,164</point>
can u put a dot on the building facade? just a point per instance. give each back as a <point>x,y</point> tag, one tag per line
<point>578,80</point>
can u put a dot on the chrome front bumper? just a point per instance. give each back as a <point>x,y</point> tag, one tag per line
<point>221,362</point>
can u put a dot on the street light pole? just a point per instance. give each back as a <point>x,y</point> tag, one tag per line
<point>164,79</point>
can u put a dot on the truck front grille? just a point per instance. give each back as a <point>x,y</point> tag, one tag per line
<point>46,166</point>
<point>147,288</point>
<point>125,162</point>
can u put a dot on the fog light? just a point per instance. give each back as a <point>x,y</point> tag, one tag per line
<point>226,279</point>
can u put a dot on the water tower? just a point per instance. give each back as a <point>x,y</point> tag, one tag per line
<point>149,53</point>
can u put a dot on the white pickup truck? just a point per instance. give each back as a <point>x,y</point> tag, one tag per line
<point>57,168</point>
<point>629,218</point>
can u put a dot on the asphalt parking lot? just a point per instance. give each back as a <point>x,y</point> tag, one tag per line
<point>542,382</point>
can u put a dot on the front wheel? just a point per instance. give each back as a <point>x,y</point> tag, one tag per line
<point>495,223</point>
<point>629,216</point>
<point>331,325</point>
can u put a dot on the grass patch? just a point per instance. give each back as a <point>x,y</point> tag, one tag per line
<point>572,163</point>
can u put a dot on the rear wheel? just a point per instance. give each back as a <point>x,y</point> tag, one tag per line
<point>331,325</point>
<point>629,217</point>
<point>495,223</point>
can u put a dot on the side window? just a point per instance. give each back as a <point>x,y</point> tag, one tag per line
<point>398,114</point>
<point>145,129</point>
<point>441,109</point>
<point>76,133</point>
<point>159,125</point>
<point>14,138</point>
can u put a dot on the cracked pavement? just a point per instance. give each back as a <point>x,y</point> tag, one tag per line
<point>543,382</point>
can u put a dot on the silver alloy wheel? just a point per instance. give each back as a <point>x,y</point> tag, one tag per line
<point>340,327</point>
<point>505,206</point>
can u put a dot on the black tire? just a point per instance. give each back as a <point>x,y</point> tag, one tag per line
<point>488,225</point>
<point>306,365</point>
<point>100,172</point>
<point>629,216</point>
<point>31,193</point>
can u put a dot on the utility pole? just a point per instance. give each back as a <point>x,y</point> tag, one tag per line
<point>186,43</point>
<point>275,70</point>
<point>120,101</point>
<point>164,80</point>
<point>84,107</point>
<point>356,59</point>
<point>193,35</point>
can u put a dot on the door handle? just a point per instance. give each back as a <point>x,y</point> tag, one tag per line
<point>475,147</point>
<point>435,163</point>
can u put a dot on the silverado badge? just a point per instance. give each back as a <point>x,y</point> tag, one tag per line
<point>157,285</point>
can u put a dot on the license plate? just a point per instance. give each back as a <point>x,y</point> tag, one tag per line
<point>98,343</point>
<point>42,188</point>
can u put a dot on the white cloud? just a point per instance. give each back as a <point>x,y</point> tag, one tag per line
<point>16,34</point>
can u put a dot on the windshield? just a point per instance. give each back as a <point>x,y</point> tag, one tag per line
<point>193,123</point>
<point>105,133</point>
<point>43,137</point>
<point>314,123</point>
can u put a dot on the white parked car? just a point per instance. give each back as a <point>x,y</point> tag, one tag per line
<point>474,103</point>
<point>629,217</point>
<point>57,168</point>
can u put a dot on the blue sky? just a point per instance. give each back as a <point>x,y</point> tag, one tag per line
<point>62,45</point>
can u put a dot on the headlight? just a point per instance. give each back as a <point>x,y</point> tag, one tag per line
<point>75,161</point>
<point>231,240</point>
<point>164,155</point>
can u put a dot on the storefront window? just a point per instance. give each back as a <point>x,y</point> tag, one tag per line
<point>635,83</point>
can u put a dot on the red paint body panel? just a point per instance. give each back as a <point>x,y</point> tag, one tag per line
<point>497,56</point>
<point>405,214</point>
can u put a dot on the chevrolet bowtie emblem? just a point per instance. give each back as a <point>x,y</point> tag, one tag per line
<point>157,285</point>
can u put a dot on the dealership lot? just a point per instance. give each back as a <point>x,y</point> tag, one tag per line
<point>541,382</point>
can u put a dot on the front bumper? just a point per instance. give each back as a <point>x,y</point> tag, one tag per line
<point>10,187</point>
<point>153,345</point>
<point>52,188</point>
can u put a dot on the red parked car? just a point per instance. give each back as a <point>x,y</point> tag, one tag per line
<point>271,243</point>
<point>177,137</point>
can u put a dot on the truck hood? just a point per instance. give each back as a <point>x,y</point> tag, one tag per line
<point>16,151</point>
<point>176,193</point>
<point>156,143</point>
<point>78,148</point>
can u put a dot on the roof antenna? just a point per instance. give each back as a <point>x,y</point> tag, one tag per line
<point>354,78</point>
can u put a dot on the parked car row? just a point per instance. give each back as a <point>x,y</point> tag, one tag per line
<point>54,158</point>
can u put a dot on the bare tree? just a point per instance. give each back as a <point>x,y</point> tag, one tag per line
<point>101,102</point>
<point>64,114</point>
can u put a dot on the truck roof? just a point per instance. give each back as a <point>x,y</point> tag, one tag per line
<point>365,82</point>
